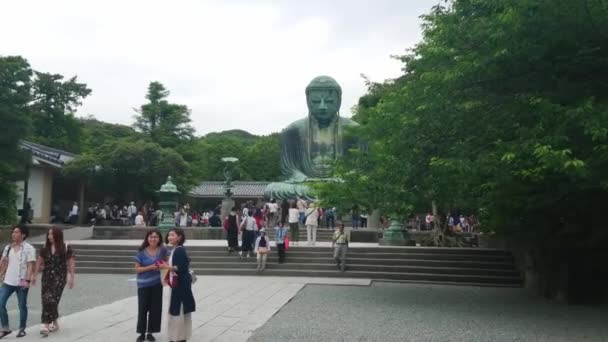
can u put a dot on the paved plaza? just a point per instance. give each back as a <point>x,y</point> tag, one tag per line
<point>267,309</point>
<point>390,312</point>
<point>228,308</point>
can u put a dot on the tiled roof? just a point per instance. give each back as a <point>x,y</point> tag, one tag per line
<point>239,190</point>
<point>47,154</point>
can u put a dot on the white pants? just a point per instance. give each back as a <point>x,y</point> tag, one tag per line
<point>313,228</point>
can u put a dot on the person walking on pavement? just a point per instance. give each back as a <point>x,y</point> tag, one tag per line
<point>56,262</point>
<point>340,245</point>
<point>17,270</point>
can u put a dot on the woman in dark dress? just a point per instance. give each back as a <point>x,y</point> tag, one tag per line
<point>232,231</point>
<point>182,303</point>
<point>55,260</point>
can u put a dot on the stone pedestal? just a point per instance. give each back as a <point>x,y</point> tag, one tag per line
<point>395,235</point>
<point>227,205</point>
<point>168,204</point>
<point>374,219</point>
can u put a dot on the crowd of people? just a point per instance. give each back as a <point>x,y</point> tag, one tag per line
<point>457,223</point>
<point>252,223</point>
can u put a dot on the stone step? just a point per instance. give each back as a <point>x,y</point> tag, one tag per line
<point>304,247</point>
<point>301,248</point>
<point>273,264</point>
<point>385,276</point>
<point>328,260</point>
<point>325,253</point>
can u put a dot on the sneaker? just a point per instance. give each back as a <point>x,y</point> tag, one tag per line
<point>151,338</point>
<point>141,338</point>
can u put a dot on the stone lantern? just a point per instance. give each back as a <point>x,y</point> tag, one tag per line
<point>168,203</point>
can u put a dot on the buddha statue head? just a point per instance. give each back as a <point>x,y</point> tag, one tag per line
<point>324,97</point>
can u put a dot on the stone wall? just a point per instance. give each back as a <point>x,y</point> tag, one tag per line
<point>35,230</point>
<point>137,233</point>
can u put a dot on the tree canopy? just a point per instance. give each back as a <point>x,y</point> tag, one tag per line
<point>163,122</point>
<point>503,110</point>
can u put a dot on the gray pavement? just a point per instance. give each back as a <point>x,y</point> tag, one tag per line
<point>418,312</point>
<point>228,308</point>
<point>90,290</point>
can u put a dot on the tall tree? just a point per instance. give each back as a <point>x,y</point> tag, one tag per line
<point>504,108</point>
<point>15,74</point>
<point>54,103</point>
<point>164,122</point>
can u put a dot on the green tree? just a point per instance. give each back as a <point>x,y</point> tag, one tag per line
<point>130,169</point>
<point>94,133</point>
<point>15,74</point>
<point>54,103</point>
<point>164,122</point>
<point>503,107</point>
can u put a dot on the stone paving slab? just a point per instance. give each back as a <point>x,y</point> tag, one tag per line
<point>228,309</point>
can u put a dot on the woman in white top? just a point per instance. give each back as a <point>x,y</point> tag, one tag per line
<point>248,227</point>
<point>312,220</point>
<point>294,225</point>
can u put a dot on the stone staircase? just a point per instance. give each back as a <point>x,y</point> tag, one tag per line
<point>473,266</point>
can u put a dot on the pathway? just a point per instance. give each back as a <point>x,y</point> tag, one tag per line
<point>229,309</point>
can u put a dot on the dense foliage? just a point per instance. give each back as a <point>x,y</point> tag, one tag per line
<point>15,84</point>
<point>502,108</point>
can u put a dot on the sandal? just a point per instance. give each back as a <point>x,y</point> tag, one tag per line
<point>44,329</point>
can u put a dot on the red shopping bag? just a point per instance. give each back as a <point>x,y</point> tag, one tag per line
<point>286,243</point>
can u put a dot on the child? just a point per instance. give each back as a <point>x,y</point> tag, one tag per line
<point>279,237</point>
<point>262,248</point>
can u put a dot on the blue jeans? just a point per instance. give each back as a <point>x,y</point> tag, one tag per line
<point>5,293</point>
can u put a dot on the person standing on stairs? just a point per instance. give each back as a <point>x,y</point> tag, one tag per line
<point>56,262</point>
<point>311,220</point>
<point>150,256</point>
<point>248,227</point>
<point>294,223</point>
<point>340,245</point>
<point>262,248</point>
<point>279,238</point>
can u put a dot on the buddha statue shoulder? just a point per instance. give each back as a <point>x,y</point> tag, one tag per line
<point>310,145</point>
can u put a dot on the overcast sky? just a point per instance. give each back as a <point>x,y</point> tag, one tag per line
<point>235,64</point>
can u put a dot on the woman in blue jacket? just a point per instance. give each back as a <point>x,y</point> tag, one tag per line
<point>182,302</point>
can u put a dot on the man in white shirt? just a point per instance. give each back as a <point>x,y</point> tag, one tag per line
<point>17,270</point>
<point>73,217</point>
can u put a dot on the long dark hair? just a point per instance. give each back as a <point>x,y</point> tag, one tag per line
<point>57,241</point>
<point>181,235</point>
<point>145,244</point>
